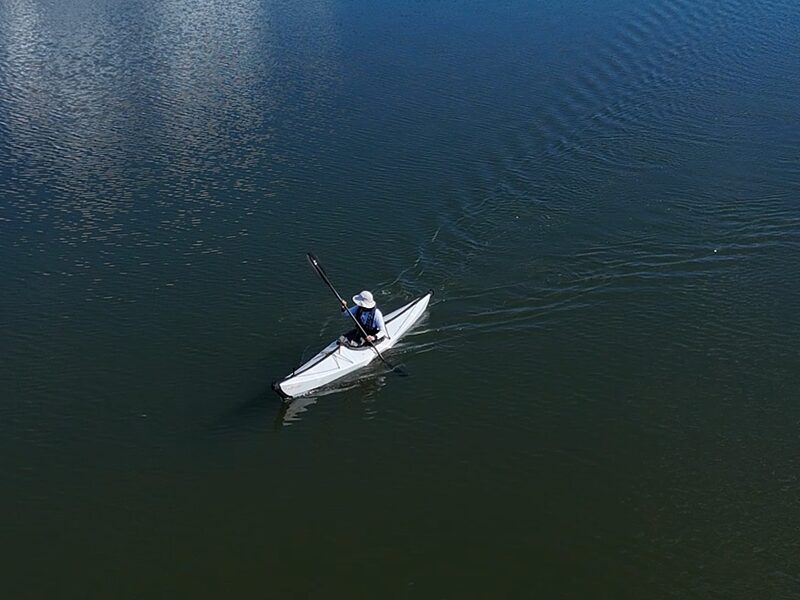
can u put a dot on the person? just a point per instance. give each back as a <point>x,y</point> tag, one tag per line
<point>368,314</point>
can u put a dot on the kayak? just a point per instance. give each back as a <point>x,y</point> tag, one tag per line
<point>336,360</point>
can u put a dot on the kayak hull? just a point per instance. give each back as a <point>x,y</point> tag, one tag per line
<point>336,361</point>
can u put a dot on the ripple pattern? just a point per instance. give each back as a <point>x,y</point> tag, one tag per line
<point>603,195</point>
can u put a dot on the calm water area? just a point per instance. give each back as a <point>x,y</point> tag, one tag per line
<point>604,397</point>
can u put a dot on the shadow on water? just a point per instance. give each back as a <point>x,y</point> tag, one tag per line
<point>264,407</point>
<point>248,415</point>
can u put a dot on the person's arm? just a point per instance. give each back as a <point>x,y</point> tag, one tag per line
<point>380,324</point>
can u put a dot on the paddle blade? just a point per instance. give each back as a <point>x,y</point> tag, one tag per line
<point>400,371</point>
<point>397,369</point>
<point>314,262</point>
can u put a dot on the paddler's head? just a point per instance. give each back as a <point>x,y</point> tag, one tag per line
<point>364,299</point>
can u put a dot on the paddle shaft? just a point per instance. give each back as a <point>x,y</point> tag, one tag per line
<point>321,272</point>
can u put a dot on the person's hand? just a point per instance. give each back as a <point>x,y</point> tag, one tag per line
<point>344,305</point>
<point>370,338</point>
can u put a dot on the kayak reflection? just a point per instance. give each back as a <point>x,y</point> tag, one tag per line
<point>365,388</point>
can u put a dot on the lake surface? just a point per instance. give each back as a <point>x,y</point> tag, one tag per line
<point>604,397</point>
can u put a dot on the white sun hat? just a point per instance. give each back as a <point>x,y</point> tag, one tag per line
<point>364,299</point>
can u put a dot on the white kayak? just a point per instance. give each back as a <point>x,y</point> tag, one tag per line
<point>336,360</point>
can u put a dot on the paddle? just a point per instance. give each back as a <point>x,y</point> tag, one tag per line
<point>324,276</point>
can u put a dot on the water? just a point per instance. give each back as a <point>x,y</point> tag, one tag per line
<point>603,398</point>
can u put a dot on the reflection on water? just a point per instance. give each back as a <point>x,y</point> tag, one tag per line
<point>292,410</point>
<point>62,112</point>
<point>115,113</point>
<point>365,385</point>
<point>210,86</point>
<point>252,414</point>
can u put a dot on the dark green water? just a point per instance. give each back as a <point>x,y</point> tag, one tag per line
<point>603,401</point>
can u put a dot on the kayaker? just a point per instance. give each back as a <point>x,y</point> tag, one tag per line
<point>368,314</point>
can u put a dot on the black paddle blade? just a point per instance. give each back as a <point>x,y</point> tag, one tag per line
<point>314,263</point>
<point>400,371</point>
